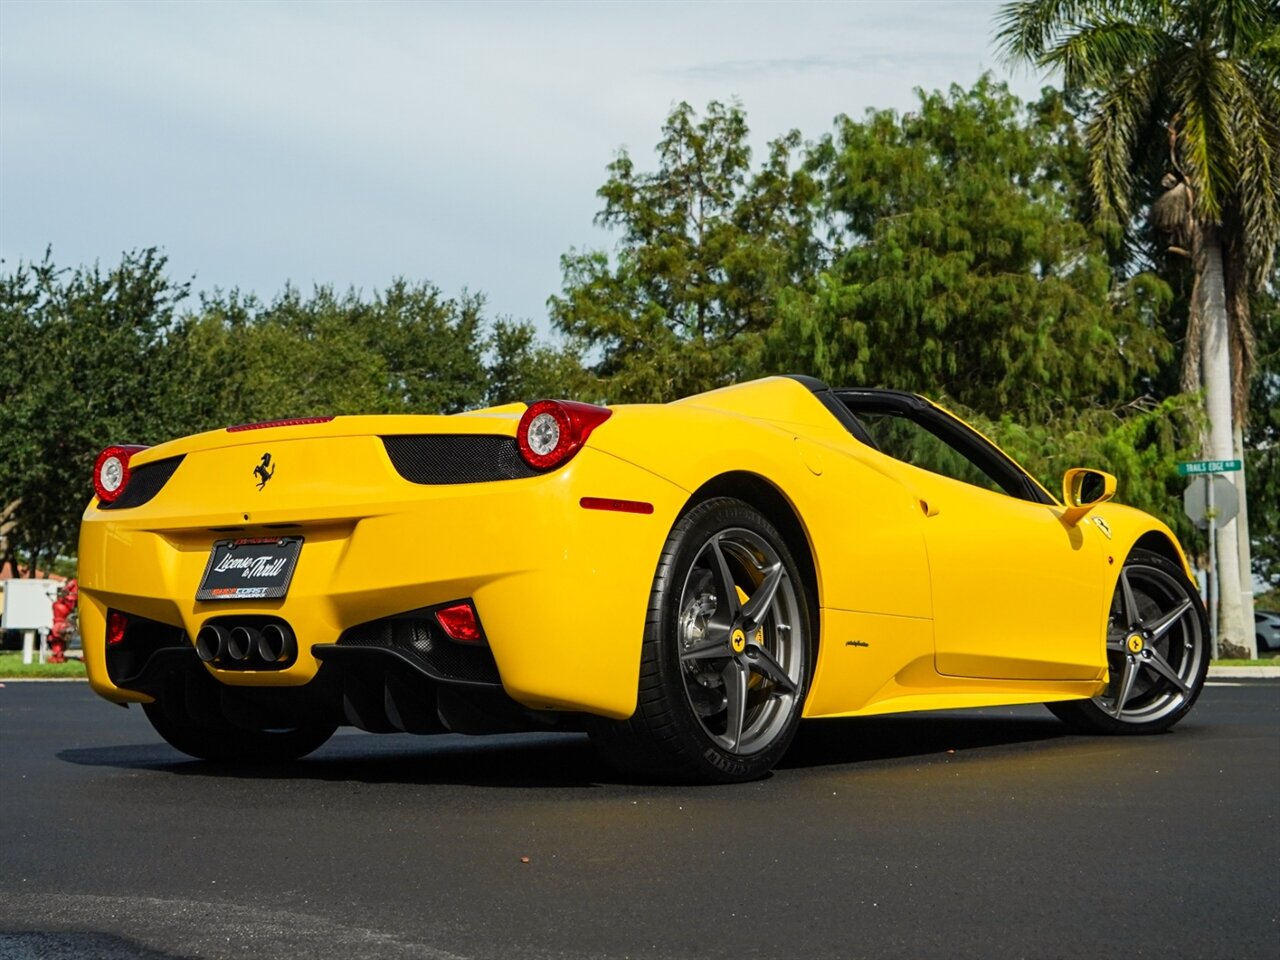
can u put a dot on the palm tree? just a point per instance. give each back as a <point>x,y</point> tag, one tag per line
<point>1186,94</point>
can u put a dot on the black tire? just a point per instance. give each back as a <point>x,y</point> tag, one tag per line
<point>1157,651</point>
<point>722,680</point>
<point>210,736</point>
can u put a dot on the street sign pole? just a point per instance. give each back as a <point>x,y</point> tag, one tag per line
<point>1212,516</point>
<point>1246,558</point>
<point>1206,510</point>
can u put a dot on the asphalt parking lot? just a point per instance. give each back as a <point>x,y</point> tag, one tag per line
<point>989,834</point>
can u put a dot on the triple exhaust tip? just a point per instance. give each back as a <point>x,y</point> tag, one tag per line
<point>270,643</point>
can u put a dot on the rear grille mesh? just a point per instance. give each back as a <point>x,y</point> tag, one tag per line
<point>432,460</point>
<point>456,458</point>
<point>144,483</point>
<point>422,641</point>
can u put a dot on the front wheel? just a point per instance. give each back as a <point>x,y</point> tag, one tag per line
<point>1157,652</point>
<point>727,654</point>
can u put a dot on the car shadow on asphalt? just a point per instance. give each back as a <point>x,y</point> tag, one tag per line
<point>567,759</point>
<point>868,740</point>
<point>502,760</point>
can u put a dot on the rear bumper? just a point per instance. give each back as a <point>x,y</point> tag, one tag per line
<point>561,591</point>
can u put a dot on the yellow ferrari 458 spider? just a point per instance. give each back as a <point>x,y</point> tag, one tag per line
<point>685,581</point>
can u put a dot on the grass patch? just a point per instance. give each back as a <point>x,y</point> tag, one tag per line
<point>1270,660</point>
<point>12,668</point>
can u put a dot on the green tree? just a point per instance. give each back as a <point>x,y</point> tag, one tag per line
<point>407,349</point>
<point>433,347</point>
<point>1262,438</point>
<point>1189,89</point>
<point>91,357</point>
<point>81,367</point>
<point>959,269</point>
<point>705,248</point>
<point>523,369</point>
<point>963,268</point>
<point>948,251</point>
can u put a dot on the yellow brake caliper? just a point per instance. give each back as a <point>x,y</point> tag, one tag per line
<point>755,678</point>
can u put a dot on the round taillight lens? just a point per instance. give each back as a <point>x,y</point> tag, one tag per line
<point>546,431</point>
<point>111,471</point>
<point>552,431</point>
<point>111,476</point>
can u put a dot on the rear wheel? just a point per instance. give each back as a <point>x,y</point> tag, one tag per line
<point>1157,652</point>
<point>208,735</point>
<point>727,653</point>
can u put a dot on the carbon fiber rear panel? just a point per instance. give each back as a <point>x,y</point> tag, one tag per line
<point>456,458</point>
<point>146,481</point>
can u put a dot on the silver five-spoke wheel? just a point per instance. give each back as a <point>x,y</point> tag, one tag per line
<point>727,653</point>
<point>1154,646</point>
<point>1157,651</point>
<point>740,642</point>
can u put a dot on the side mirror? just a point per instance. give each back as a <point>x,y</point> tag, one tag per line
<point>1082,490</point>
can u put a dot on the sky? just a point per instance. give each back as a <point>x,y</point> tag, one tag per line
<point>458,143</point>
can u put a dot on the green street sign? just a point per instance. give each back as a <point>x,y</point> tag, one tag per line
<point>1193,467</point>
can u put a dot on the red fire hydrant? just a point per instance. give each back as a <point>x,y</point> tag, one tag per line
<point>63,607</point>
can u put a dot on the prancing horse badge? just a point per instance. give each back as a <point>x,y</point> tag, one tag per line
<point>265,470</point>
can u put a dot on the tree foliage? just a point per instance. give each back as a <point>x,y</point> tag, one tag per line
<point>80,352</point>
<point>705,247</point>
<point>407,349</point>
<point>1183,94</point>
<point>1262,439</point>
<point>948,251</point>
<point>522,368</point>
<point>960,268</point>
<point>91,357</point>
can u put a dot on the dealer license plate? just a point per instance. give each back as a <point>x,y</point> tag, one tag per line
<point>257,568</point>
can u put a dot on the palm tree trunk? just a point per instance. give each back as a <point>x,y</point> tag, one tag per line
<point>1215,366</point>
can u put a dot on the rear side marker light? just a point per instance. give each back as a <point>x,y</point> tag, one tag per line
<point>552,431</point>
<point>266,424</point>
<point>111,470</point>
<point>460,623</point>
<point>619,506</point>
<point>117,622</point>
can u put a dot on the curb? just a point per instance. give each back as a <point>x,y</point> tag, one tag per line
<point>4,680</point>
<point>1244,673</point>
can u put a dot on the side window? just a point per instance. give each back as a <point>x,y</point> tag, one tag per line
<point>904,439</point>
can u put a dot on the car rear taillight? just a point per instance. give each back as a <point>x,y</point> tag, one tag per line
<point>460,623</point>
<point>117,623</point>
<point>111,471</point>
<point>552,431</point>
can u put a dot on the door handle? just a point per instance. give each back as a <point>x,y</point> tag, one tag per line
<point>929,509</point>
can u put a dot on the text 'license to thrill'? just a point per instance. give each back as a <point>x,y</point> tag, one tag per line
<point>257,568</point>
